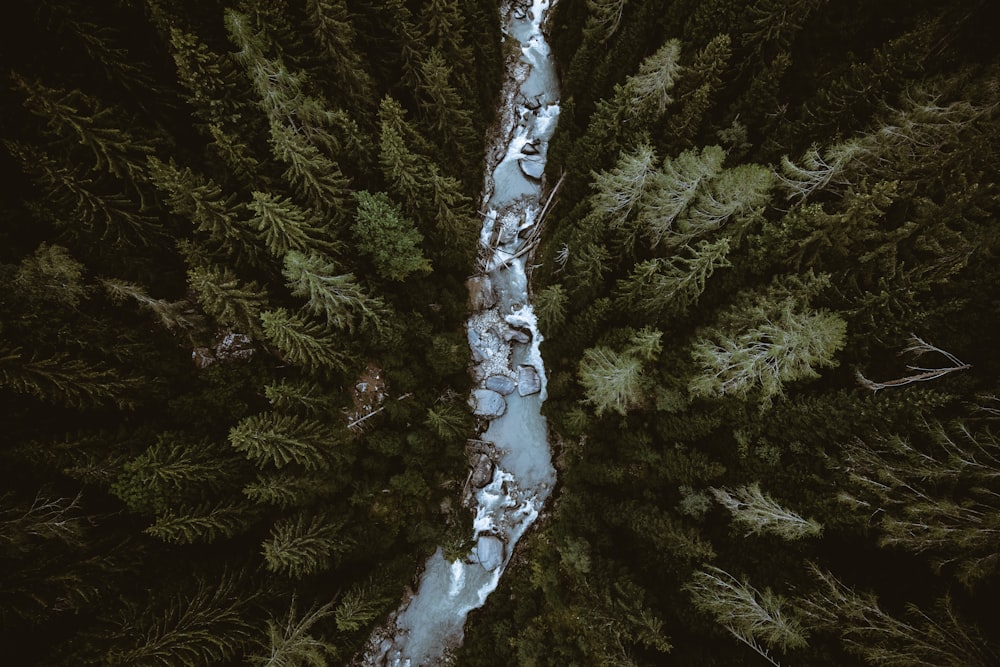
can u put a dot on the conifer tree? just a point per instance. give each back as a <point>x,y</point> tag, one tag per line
<point>660,287</point>
<point>172,315</point>
<point>936,491</point>
<point>202,202</point>
<point>209,79</point>
<point>675,187</point>
<point>60,379</point>
<point>202,625</point>
<point>287,488</point>
<point>300,396</point>
<point>315,177</point>
<point>279,440</point>
<point>290,644</point>
<point>333,30</point>
<point>942,639</point>
<point>611,380</point>
<point>227,299</point>
<point>754,617</point>
<point>758,513</point>
<point>337,298</point>
<point>765,356</point>
<point>284,226</point>
<point>444,110</point>
<point>305,544</point>
<point>85,206</point>
<point>392,241</point>
<point>206,522</point>
<point>618,192</point>
<point>173,469</point>
<point>302,342</point>
<point>75,118</point>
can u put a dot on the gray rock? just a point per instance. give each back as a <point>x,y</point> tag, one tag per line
<point>529,149</point>
<point>501,384</point>
<point>481,293</point>
<point>476,345</point>
<point>487,403</point>
<point>490,552</point>
<point>528,381</point>
<point>482,472</point>
<point>532,166</point>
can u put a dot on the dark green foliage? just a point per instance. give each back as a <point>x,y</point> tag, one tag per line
<point>782,191</point>
<point>194,274</point>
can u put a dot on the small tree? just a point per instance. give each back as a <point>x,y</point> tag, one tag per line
<point>304,544</point>
<point>751,616</point>
<point>391,240</point>
<point>305,343</point>
<point>759,513</point>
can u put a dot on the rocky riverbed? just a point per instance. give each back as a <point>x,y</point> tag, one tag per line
<point>511,473</point>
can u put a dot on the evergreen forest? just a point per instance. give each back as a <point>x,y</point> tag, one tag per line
<point>234,240</point>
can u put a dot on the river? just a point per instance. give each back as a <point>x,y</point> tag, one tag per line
<point>512,473</point>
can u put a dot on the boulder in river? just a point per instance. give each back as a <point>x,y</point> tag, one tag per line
<point>501,384</point>
<point>482,472</point>
<point>532,166</point>
<point>481,293</point>
<point>487,403</point>
<point>490,552</point>
<point>528,381</point>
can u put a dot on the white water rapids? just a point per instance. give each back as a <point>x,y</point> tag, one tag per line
<point>515,473</point>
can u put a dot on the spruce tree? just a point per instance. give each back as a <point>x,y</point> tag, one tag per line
<point>305,544</point>
<point>337,298</point>
<point>392,241</point>
<point>303,342</point>
<point>280,440</point>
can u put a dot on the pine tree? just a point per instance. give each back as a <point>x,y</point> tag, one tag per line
<point>700,81</point>
<point>284,226</point>
<point>75,118</point>
<point>302,342</point>
<point>209,78</point>
<point>392,241</point>
<point>611,380</point>
<point>227,299</point>
<point>618,192</point>
<point>206,624</point>
<point>173,469</point>
<point>85,206</point>
<point>202,202</point>
<point>936,491</point>
<point>206,522</point>
<point>287,488</point>
<point>315,177</point>
<point>51,275</point>
<point>305,544</point>
<point>290,644</point>
<point>758,513</point>
<point>279,440</point>
<point>675,187</point>
<point>660,288</point>
<point>734,193</point>
<point>172,315</point>
<point>300,396</point>
<point>940,640</point>
<point>750,615</point>
<point>60,379</point>
<point>337,298</point>
<point>763,357</point>
<point>333,30</point>
<point>444,110</point>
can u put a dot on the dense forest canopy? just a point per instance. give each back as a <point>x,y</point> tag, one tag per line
<point>233,371</point>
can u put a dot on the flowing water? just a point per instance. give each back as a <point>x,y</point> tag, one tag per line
<point>513,473</point>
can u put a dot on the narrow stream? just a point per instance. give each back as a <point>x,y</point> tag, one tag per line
<point>511,467</point>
